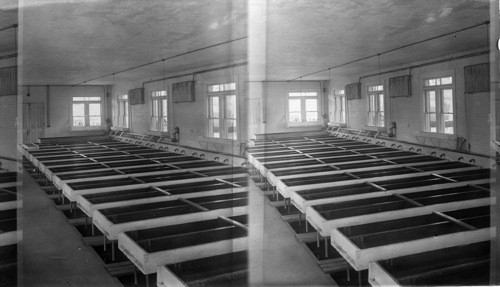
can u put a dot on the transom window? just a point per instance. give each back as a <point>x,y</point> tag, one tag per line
<point>123,120</point>
<point>303,108</point>
<point>376,114</point>
<point>222,87</point>
<point>159,111</point>
<point>339,107</point>
<point>438,109</point>
<point>86,112</point>
<point>222,107</point>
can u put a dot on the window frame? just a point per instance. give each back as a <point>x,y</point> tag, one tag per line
<point>439,97</point>
<point>222,91</point>
<point>303,107</point>
<point>376,92</point>
<point>86,101</point>
<point>123,104</point>
<point>160,97</point>
<point>339,95</point>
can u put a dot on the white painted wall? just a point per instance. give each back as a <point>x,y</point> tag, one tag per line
<point>190,117</point>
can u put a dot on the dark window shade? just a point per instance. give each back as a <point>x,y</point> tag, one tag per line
<point>8,81</point>
<point>136,96</point>
<point>477,78</point>
<point>400,87</point>
<point>183,92</point>
<point>353,91</point>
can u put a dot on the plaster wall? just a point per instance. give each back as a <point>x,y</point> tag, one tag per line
<point>190,117</point>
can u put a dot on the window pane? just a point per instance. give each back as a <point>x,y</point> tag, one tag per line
<point>215,88</point>
<point>342,117</point>
<point>448,123</point>
<point>381,119</point>
<point>164,124</point>
<point>78,121</point>
<point>78,110</point>
<point>430,101</point>
<point>312,116</point>
<point>446,81</point>
<point>294,94</point>
<point>154,111</point>
<point>432,82</point>
<point>343,103</point>
<point>231,129</point>
<point>164,110</point>
<point>372,103</point>
<point>371,118</point>
<point>294,105</point>
<point>447,101</point>
<point>154,123</point>
<point>214,130</point>
<point>311,105</point>
<point>95,121</point>
<point>214,107</point>
<point>295,117</point>
<point>126,122</point>
<point>95,110</point>
<point>381,102</point>
<point>126,108</point>
<point>231,107</point>
<point>431,123</point>
<point>311,94</point>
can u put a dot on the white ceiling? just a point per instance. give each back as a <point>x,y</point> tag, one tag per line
<point>70,41</point>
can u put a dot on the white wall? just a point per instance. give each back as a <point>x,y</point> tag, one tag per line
<point>59,100</point>
<point>471,111</point>
<point>190,117</point>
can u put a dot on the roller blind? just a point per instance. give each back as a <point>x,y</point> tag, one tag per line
<point>353,91</point>
<point>477,78</point>
<point>8,81</point>
<point>400,87</point>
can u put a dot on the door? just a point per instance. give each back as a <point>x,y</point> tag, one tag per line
<point>33,122</point>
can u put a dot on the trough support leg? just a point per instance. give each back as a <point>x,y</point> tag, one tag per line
<point>326,246</point>
<point>112,251</point>
<point>147,280</point>
<point>135,275</point>
<point>86,223</point>
<point>300,219</point>
<point>307,226</point>
<point>348,273</point>
<point>317,239</point>
<point>104,239</point>
<point>93,228</point>
<point>359,278</point>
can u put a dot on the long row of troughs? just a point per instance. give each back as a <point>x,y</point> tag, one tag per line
<point>406,217</point>
<point>168,213</point>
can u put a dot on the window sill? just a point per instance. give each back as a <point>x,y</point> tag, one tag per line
<point>158,134</point>
<point>435,135</point>
<point>122,129</point>
<point>304,125</point>
<point>87,129</point>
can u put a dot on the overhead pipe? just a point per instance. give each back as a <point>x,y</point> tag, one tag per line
<point>394,49</point>
<point>162,60</point>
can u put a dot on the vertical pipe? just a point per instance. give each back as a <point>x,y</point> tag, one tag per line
<point>47,99</point>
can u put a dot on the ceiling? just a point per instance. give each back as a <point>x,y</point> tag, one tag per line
<point>71,41</point>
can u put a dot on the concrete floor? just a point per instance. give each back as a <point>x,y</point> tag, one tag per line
<point>276,257</point>
<point>52,252</point>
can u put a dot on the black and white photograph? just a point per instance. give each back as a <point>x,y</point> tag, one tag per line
<point>252,143</point>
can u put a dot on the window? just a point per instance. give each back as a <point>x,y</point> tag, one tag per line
<point>376,116</point>
<point>339,107</point>
<point>303,108</point>
<point>438,109</point>
<point>86,112</point>
<point>222,111</point>
<point>123,111</point>
<point>159,111</point>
